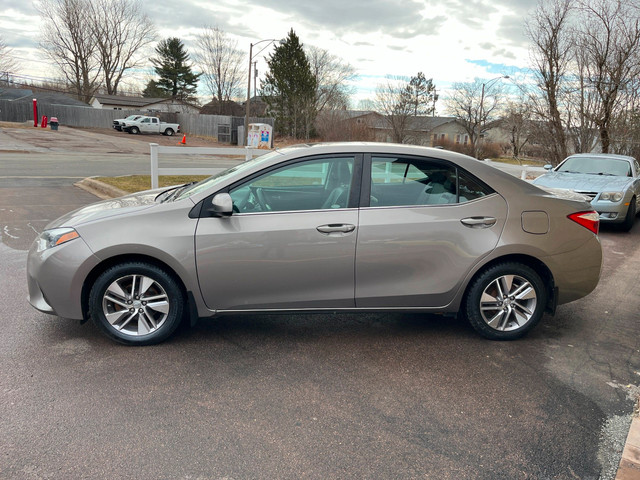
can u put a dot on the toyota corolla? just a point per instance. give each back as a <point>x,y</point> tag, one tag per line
<point>346,227</point>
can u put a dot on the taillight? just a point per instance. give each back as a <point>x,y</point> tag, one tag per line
<point>589,220</point>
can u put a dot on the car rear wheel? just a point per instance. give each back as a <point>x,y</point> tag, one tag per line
<point>505,301</point>
<point>136,303</point>
<point>168,132</point>
<point>630,218</point>
<point>134,130</point>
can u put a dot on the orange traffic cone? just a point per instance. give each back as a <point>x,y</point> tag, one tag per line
<point>184,140</point>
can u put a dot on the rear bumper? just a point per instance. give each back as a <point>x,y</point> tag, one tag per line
<point>576,273</point>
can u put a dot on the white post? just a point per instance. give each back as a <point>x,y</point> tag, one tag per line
<point>248,153</point>
<point>523,176</point>
<point>153,147</point>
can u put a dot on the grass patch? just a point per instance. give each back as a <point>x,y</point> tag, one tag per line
<point>138,183</point>
<point>523,161</point>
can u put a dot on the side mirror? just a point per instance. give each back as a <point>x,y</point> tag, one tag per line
<point>548,167</point>
<point>221,205</point>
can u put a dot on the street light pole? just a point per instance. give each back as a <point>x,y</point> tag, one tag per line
<point>248,104</point>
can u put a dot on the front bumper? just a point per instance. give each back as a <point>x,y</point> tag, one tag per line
<point>55,277</point>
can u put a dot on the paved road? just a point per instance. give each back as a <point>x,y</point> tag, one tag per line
<point>314,396</point>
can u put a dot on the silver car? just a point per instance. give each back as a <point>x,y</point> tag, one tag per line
<point>610,182</point>
<point>350,227</point>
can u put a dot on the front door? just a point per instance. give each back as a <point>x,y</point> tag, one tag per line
<point>289,244</point>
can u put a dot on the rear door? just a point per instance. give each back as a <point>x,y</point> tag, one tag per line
<point>423,225</point>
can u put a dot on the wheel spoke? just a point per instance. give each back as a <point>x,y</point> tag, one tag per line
<point>149,318</point>
<point>117,290</point>
<point>488,298</point>
<point>527,294</point>
<point>520,318</point>
<point>143,326</point>
<point>155,298</point>
<point>133,285</point>
<point>162,307</point>
<point>124,324</point>
<point>506,281</point>
<point>144,286</point>
<point>496,320</point>
<point>115,300</point>
<point>115,317</point>
<point>523,309</point>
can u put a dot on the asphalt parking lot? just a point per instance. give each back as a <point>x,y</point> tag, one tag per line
<point>313,396</point>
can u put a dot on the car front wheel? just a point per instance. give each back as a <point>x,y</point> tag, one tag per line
<point>505,301</point>
<point>136,303</point>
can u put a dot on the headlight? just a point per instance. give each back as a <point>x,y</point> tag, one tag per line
<point>55,237</point>
<point>611,196</point>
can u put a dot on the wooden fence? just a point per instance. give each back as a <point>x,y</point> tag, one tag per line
<point>192,124</point>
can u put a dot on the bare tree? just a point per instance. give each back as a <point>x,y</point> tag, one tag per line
<point>394,102</point>
<point>121,30</point>
<point>69,41</point>
<point>519,123</point>
<point>332,79</point>
<point>582,102</point>
<point>610,41</point>
<point>8,62</point>
<point>400,101</point>
<point>474,104</point>
<point>221,63</point>
<point>551,52</point>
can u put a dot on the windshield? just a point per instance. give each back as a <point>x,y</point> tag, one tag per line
<point>210,182</point>
<point>596,166</point>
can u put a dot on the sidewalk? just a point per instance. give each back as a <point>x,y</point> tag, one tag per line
<point>629,468</point>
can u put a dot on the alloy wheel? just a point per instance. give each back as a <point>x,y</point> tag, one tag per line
<point>508,303</point>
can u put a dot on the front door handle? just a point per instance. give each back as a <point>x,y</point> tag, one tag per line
<point>336,228</point>
<point>479,222</point>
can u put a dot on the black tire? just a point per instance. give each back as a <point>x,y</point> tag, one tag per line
<point>134,130</point>
<point>169,132</point>
<point>120,292</point>
<point>630,217</point>
<point>513,315</point>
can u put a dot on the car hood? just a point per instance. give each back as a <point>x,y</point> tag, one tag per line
<point>108,208</point>
<point>582,182</point>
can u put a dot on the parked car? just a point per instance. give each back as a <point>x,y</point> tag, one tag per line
<point>118,123</point>
<point>351,227</point>
<point>151,125</point>
<point>610,182</point>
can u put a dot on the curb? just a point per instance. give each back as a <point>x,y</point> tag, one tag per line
<point>100,189</point>
<point>629,468</point>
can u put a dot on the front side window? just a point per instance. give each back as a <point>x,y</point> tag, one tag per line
<point>405,182</point>
<point>309,185</point>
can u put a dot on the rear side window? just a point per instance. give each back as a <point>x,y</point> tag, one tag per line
<point>405,182</point>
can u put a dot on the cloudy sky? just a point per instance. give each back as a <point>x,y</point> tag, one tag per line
<point>452,41</point>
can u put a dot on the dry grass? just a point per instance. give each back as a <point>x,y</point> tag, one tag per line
<point>138,183</point>
<point>523,161</point>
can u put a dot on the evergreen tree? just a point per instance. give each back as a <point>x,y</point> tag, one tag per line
<point>173,67</point>
<point>420,91</point>
<point>152,90</point>
<point>289,89</point>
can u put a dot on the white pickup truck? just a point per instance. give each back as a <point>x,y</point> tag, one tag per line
<point>119,123</point>
<point>151,125</point>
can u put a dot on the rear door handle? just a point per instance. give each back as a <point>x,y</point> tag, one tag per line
<point>336,228</point>
<point>479,222</point>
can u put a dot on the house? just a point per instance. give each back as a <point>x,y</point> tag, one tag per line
<point>427,131</point>
<point>44,96</point>
<point>126,102</point>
